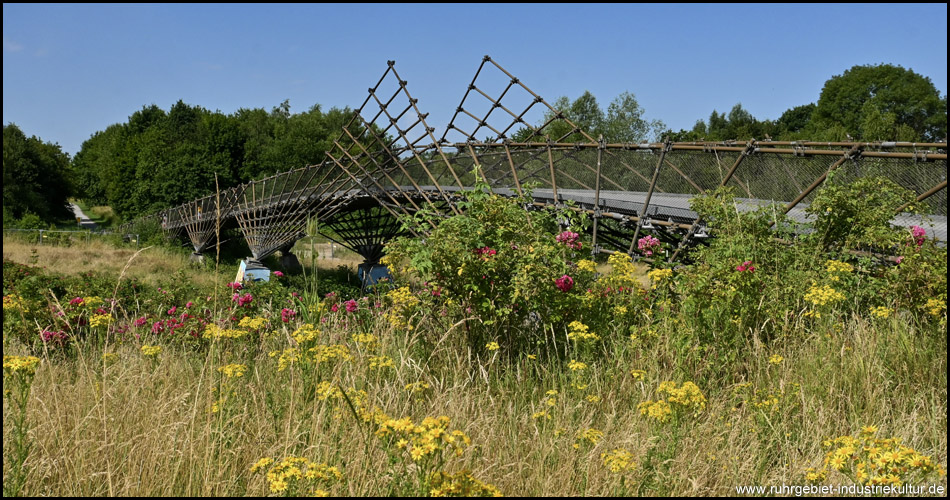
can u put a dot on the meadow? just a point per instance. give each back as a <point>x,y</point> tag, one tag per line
<point>502,359</point>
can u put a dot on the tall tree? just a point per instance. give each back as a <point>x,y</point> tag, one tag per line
<point>34,177</point>
<point>911,99</point>
<point>625,121</point>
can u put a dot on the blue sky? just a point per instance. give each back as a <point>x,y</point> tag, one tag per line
<point>71,70</point>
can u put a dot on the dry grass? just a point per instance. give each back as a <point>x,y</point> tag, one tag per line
<point>100,256</point>
<point>142,428</point>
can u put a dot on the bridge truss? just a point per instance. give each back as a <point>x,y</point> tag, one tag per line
<point>387,162</point>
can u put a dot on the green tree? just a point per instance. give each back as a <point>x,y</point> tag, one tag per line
<point>795,119</point>
<point>34,177</point>
<point>911,99</point>
<point>625,121</point>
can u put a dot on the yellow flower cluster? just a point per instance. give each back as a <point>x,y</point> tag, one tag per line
<point>551,398</point>
<point>460,484</point>
<point>579,331</point>
<point>618,460</point>
<point>680,401</point>
<point>834,268</point>
<point>14,302</point>
<point>621,272</point>
<point>233,370</point>
<point>213,331</point>
<point>328,353</point>
<point>935,307</point>
<point>492,346</point>
<point>305,333</point>
<point>293,473</point>
<point>365,338</point>
<point>541,414</point>
<point>874,462</point>
<point>658,275</point>
<point>688,397</point>
<point>98,320</point>
<point>776,359</point>
<point>287,357</point>
<point>252,323</point>
<point>429,438</point>
<point>823,295</point>
<point>109,357</point>
<point>20,364</point>
<point>378,362</point>
<point>587,265</point>
<point>92,302</point>
<point>638,374</point>
<point>880,312</point>
<point>151,350</point>
<point>576,366</point>
<point>656,410</point>
<point>403,303</point>
<point>591,435</point>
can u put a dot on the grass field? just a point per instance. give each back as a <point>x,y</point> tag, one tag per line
<point>308,394</point>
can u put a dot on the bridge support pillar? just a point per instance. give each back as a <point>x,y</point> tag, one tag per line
<point>371,273</point>
<point>289,261</point>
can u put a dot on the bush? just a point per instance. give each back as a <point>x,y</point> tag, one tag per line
<point>511,275</point>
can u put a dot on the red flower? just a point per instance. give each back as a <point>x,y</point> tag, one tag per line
<point>564,283</point>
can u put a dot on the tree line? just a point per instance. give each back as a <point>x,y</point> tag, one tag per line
<point>159,159</point>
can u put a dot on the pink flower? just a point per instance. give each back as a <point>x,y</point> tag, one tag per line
<point>919,234</point>
<point>157,327</point>
<point>899,259</point>
<point>245,300</point>
<point>171,311</point>
<point>569,238</point>
<point>485,252</point>
<point>235,286</point>
<point>564,283</point>
<point>647,244</point>
<point>278,274</point>
<point>56,337</point>
<point>76,302</point>
<point>189,304</point>
<point>351,306</point>
<point>334,308</point>
<point>746,266</point>
<point>287,314</point>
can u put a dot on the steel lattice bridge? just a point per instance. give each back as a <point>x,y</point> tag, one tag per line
<point>388,162</point>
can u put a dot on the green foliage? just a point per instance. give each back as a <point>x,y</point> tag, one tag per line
<point>495,266</point>
<point>623,122</point>
<point>903,104</point>
<point>34,177</point>
<point>858,214</point>
<point>158,159</point>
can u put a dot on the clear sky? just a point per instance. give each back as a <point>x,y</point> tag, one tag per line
<point>70,70</point>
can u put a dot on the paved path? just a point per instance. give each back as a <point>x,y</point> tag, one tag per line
<point>84,221</point>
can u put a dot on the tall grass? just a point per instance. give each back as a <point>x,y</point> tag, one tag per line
<point>132,425</point>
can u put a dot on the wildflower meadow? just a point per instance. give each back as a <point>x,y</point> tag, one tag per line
<point>502,358</point>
